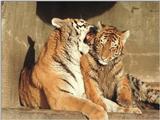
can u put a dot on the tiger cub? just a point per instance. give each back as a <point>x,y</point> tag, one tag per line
<point>90,68</point>
<point>105,60</point>
<point>56,81</point>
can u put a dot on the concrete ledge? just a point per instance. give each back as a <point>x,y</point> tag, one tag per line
<point>43,114</point>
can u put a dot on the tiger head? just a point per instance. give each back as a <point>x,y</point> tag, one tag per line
<point>75,30</point>
<point>108,43</point>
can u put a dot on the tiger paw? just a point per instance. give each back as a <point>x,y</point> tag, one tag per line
<point>102,103</point>
<point>99,116</point>
<point>124,93</point>
<point>136,110</point>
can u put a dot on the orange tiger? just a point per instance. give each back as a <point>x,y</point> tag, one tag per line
<point>106,69</point>
<point>56,81</point>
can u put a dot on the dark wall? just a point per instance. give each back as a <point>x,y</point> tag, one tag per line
<point>47,10</point>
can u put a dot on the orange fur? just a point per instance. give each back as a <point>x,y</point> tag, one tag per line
<point>91,87</point>
<point>124,93</point>
<point>106,76</point>
<point>106,61</point>
<point>47,85</point>
<point>30,95</point>
<point>110,43</point>
<point>46,78</point>
<point>94,93</point>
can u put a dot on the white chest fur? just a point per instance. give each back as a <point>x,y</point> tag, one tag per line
<point>70,71</point>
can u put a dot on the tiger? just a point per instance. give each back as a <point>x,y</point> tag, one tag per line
<point>55,80</point>
<point>107,69</point>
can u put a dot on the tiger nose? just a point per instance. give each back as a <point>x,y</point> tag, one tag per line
<point>93,29</point>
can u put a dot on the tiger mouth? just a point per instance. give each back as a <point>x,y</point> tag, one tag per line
<point>83,46</point>
<point>90,36</point>
<point>102,62</point>
<point>87,41</point>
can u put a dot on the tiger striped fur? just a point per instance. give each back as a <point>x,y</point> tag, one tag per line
<point>105,59</point>
<point>56,81</point>
<point>145,97</point>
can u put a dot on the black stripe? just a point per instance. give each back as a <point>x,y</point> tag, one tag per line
<point>114,67</point>
<point>136,83</point>
<point>75,21</point>
<point>82,25</point>
<point>68,83</point>
<point>67,56</point>
<point>64,91</point>
<point>68,70</point>
<point>149,95</point>
<point>65,67</point>
<point>93,78</point>
<point>93,68</point>
<point>149,91</point>
<point>117,72</point>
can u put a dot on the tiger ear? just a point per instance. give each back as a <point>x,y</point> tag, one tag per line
<point>100,25</point>
<point>125,36</point>
<point>57,22</point>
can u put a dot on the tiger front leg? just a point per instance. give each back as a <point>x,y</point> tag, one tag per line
<point>60,100</point>
<point>124,93</point>
<point>114,107</point>
<point>72,103</point>
<point>93,92</point>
